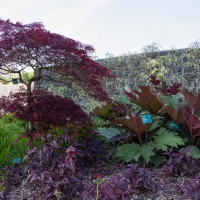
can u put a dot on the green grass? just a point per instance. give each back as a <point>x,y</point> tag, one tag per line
<point>10,128</point>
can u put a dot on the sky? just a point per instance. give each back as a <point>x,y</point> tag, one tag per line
<point>112,26</point>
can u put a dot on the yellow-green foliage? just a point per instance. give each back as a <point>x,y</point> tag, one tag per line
<point>10,128</point>
<point>171,66</point>
<point>26,76</point>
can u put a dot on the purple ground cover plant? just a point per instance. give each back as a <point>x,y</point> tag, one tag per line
<point>180,164</point>
<point>131,180</point>
<point>190,188</point>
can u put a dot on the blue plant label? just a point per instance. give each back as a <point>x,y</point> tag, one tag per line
<point>146,119</point>
<point>173,125</point>
<point>14,81</point>
<point>16,160</point>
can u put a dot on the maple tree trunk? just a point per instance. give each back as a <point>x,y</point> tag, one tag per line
<point>30,125</point>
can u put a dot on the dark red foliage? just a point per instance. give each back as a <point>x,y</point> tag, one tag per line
<point>130,95</point>
<point>134,123</point>
<point>193,124</point>
<point>177,114</point>
<point>124,136</point>
<point>52,167</point>
<point>165,89</point>
<point>120,110</point>
<point>112,110</point>
<point>98,176</point>
<point>44,109</point>
<point>12,179</point>
<point>89,151</point>
<point>171,89</point>
<point>115,188</point>
<point>154,81</point>
<point>192,100</point>
<point>191,111</point>
<point>190,188</point>
<point>146,99</point>
<point>123,185</point>
<point>180,164</point>
<point>30,45</point>
<point>104,111</point>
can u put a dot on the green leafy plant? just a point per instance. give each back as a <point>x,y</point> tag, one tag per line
<point>108,133</point>
<point>193,151</point>
<point>133,151</point>
<point>163,140</point>
<point>121,129</point>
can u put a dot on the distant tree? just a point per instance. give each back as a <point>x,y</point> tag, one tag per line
<point>51,56</point>
<point>27,75</point>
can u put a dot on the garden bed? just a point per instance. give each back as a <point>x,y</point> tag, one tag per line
<point>107,170</point>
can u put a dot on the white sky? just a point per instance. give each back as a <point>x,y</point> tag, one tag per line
<point>112,26</point>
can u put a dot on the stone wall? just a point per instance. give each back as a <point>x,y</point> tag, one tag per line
<point>6,89</point>
<point>128,69</point>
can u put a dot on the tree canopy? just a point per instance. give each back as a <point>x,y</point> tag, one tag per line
<point>52,57</point>
<point>25,46</point>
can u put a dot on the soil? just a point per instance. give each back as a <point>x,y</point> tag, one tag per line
<point>25,194</point>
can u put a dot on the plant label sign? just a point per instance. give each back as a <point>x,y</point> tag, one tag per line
<point>14,81</point>
<point>16,160</point>
<point>146,119</point>
<point>173,125</point>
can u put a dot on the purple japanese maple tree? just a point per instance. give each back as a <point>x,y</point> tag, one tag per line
<point>62,58</point>
<point>52,57</point>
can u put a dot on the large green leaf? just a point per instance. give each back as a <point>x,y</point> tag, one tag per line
<point>123,99</point>
<point>133,151</point>
<point>157,160</point>
<point>155,125</point>
<point>149,151</point>
<point>171,100</point>
<point>108,132</point>
<point>194,152</point>
<point>165,138</point>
